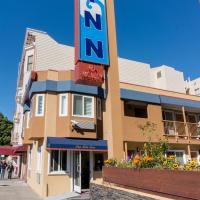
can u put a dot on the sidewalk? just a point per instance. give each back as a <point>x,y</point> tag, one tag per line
<point>16,189</point>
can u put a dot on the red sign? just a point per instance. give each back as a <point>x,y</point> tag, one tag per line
<point>89,74</point>
<point>86,73</point>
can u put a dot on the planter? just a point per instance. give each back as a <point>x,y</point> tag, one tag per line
<point>176,183</point>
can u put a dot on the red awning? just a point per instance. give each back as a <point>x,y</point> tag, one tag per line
<point>7,151</point>
<point>12,151</point>
<point>18,149</point>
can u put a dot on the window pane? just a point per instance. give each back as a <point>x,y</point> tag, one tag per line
<point>169,116</point>
<point>29,63</point>
<point>63,159</point>
<point>54,161</point>
<point>88,106</point>
<point>179,157</point>
<point>63,105</point>
<point>77,107</point>
<point>40,105</point>
<point>98,162</point>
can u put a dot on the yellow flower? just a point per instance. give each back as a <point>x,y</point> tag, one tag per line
<point>171,157</point>
<point>175,166</point>
<point>193,163</point>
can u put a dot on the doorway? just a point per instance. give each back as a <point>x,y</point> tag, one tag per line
<point>81,171</point>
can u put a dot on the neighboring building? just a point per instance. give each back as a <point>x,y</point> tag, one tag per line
<point>167,78</point>
<point>64,124</point>
<point>193,86</point>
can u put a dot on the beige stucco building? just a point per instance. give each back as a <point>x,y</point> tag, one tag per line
<point>71,129</point>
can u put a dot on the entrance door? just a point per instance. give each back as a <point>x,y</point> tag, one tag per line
<point>81,171</point>
<point>85,170</point>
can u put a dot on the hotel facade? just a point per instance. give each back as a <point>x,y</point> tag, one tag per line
<point>70,129</point>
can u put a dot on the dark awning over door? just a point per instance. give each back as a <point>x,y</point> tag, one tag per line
<point>76,144</point>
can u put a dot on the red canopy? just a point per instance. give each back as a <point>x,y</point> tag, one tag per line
<point>12,151</point>
<point>7,151</point>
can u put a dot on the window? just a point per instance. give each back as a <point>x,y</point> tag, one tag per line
<point>197,91</point>
<point>63,108</point>
<point>29,63</point>
<point>99,109</point>
<point>29,161</point>
<point>191,118</point>
<point>98,161</point>
<point>135,109</point>
<point>179,117</point>
<point>39,165</point>
<point>168,116</point>
<point>179,155</point>
<point>39,105</point>
<point>28,119</point>
<point>83,106</point>
<point>159,74</point>
<point>58,161</point>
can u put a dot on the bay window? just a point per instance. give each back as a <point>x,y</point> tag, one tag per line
<point>83,106</point>
<point>39,105</point>
<point>63,108</point>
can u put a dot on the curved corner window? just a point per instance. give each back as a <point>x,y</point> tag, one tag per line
<point>83,106</point>
<point>39,105</point>
<point>63,106</point>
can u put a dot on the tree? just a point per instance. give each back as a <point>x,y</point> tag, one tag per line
<point>6,127</point>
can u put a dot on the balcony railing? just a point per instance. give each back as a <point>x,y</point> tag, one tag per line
<point>174,128</point>
<point>194,130</point>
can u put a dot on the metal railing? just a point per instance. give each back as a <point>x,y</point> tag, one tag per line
<point>194,130</point>
<point>174,128</point>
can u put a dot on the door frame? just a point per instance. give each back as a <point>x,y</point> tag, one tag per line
<point>78,188</point>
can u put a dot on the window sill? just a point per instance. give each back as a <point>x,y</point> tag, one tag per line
<point>58,173</point>
<point>83,116</point>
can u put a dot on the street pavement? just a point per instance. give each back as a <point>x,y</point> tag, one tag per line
<point>16,189</point>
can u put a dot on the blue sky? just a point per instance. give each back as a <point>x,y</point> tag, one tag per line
<point>155,32</point>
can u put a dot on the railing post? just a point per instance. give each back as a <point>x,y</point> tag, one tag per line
<point>185,123</point>
<point>125,151</point>
<point>175,129</point>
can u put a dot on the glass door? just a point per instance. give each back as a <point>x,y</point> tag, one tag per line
<point>77,171</point>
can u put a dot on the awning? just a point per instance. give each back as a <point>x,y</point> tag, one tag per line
<point>12,150</point>
<point>20,149</point>
<point>55,143</point>
<point>7,151</point>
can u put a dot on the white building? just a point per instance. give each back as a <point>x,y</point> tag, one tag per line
<point>193,86</point>
<point>167,78</point>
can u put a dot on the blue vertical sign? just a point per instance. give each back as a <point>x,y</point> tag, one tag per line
<point>93,38</point>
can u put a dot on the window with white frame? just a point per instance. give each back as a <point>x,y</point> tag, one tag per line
<point>29,161</point>
<point>29,63</point>
<point>63,106</point>
<point>179,155</point>
<point>28,119</point>
<point>39,165</point>
<point>39,159</point>
<point>39,105</point>
<point>83,106</point>
<point>58,162</point>
<point>99,109</point>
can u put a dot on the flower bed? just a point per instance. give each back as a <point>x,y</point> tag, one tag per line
<point>184,184</point>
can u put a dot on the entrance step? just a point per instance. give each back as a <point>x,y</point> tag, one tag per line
<point>83,196</point>
<point>64,196</point>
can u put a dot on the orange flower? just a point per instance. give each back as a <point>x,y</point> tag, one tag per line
<point>137,157</point>
<point>136,160</point>
<point>148,158</point>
